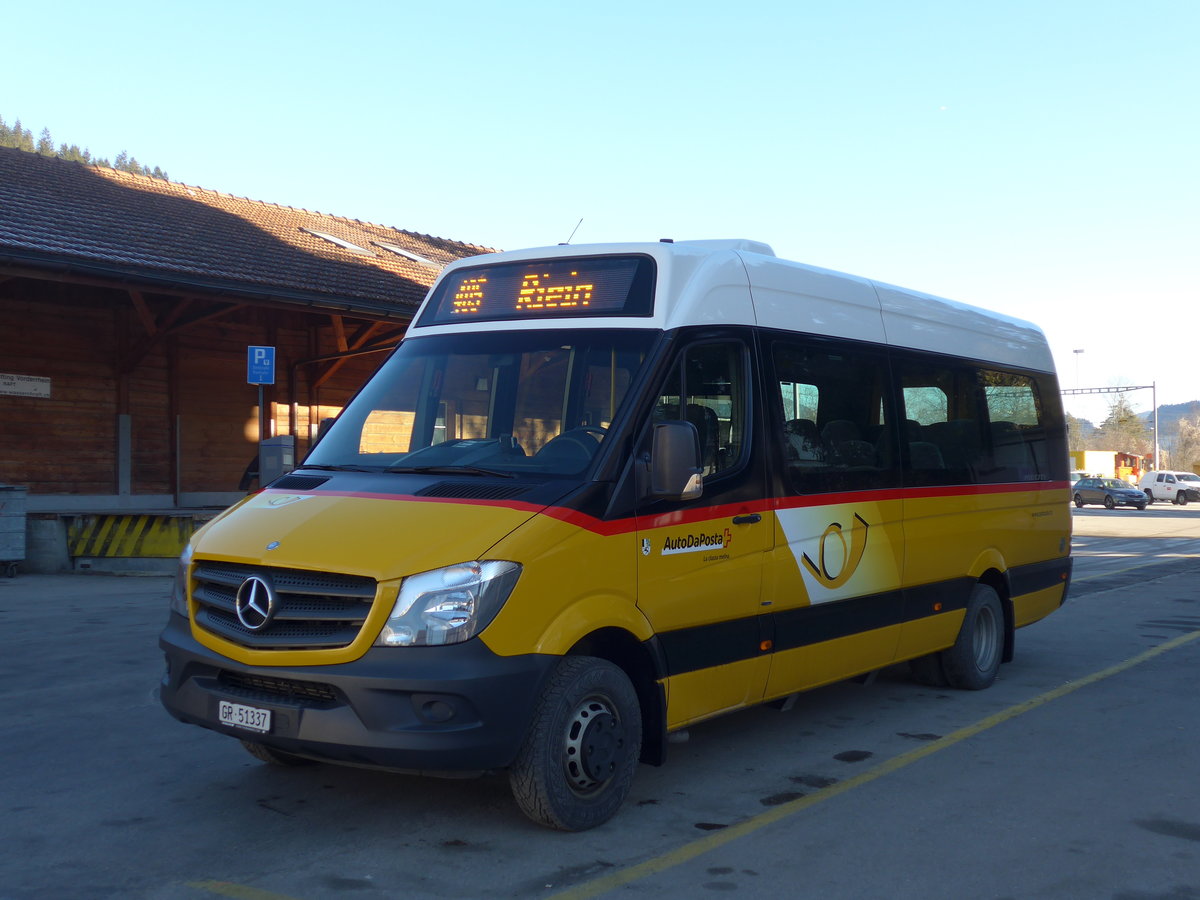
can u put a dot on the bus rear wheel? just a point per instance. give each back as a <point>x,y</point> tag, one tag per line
<point>974,660</point>
<point>576,766</point>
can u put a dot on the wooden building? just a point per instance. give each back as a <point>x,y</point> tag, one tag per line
<point>127,305</point>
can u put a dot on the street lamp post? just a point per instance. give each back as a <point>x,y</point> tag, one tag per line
<point>1154,402</point>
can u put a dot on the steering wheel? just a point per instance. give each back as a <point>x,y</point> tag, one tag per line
<point>573,437</point>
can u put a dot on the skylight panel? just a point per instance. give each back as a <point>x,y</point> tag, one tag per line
<point>407,254</point>
<point>341,242</point>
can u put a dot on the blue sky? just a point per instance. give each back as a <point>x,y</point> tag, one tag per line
<point>1038,158</point>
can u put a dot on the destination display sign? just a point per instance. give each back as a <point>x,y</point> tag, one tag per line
<point>545,289</point>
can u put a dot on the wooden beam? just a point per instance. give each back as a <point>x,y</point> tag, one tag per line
<point>143,311</point>
<point>172,322</point>
<point>339,333</point>
<point>336,364</point>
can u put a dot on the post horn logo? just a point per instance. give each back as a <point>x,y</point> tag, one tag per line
<point>851,553</point>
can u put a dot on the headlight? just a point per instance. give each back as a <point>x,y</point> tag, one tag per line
<point>179,589</point>
<point>450,605</point>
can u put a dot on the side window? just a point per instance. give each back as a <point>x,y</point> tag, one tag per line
<point>968,425</point>
<point>1016,428</point>
<point>833,417</point>
<point>942,432</point>
<point>708,388</point>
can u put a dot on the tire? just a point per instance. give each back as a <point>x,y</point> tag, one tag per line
<point>1149,496</point>
<point>274,757</point>
<point>1109,503</point>
<point>1141,507</point>
<point>1078,502</point>
<point>576,766</point>
<point>972,663</point>
<point>1181,498</point>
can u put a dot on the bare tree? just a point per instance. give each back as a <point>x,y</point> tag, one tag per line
<point>1123,430</point>
<point>1187,444</point>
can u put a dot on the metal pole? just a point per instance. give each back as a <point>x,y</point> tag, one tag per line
<point>1154,400</point>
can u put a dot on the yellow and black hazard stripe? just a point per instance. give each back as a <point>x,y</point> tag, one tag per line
<point>129,535</point>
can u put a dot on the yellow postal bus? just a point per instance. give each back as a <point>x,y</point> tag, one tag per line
<point>600,493</point>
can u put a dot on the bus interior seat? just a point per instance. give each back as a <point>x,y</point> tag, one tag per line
<point>803,442</point>
<point>922,454</point>
<point>958,441</point>
<point>1010,451</point>
<point>846,445</point>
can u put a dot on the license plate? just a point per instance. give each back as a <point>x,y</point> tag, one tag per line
<point>250,718</point>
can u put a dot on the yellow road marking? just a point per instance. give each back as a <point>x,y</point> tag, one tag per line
<point>717,839</point>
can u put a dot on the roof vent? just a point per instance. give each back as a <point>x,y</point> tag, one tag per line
<point>407,254</point>
<point>341,242</point>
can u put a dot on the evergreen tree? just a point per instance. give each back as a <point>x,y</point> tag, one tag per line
<point>21,138</point>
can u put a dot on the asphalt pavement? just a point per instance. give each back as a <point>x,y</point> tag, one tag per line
<point>1074,776</point>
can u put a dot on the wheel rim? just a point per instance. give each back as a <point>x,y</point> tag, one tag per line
<point>1109,503</point>
<point>595,745</point>
<point>986,639</point>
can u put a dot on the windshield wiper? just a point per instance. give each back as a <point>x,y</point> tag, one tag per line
<point>450,470</point>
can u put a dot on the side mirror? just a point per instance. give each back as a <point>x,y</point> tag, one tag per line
<point>675,461</point>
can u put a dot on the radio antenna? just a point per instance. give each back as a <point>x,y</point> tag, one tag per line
<point>573,230</point>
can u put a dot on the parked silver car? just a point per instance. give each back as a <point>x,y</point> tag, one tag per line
<point>1109,492</point>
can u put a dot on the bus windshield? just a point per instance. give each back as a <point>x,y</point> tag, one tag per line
<point>493,403</point>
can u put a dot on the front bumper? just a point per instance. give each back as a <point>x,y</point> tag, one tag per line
<point>457,708</point>
<point>1140,500</point>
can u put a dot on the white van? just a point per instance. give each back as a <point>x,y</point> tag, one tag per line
<point>1178,487</point>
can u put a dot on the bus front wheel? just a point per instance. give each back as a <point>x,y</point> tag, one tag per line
<point>974,660</point>
<point>576,766</point>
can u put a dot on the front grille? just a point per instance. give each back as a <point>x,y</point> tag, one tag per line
<point>276,690</point>
<point>314,610</point>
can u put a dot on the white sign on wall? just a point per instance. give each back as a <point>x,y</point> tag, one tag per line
<point>24,385</point>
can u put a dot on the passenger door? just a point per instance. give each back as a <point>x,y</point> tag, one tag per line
<point>700,561</point>
<point>834,579</point>
<point>1170,488</point>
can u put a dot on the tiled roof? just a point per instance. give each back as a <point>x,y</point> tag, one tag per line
<point>82,218</point>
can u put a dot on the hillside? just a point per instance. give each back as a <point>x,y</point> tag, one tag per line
<point>1169,415</point>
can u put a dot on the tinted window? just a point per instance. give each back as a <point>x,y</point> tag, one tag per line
<point>969,425</point>
<point>832,415</point>
<point>707,387</point>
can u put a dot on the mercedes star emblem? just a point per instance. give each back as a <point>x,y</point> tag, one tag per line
<point>255,603</point>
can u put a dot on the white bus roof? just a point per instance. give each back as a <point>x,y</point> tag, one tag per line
<point>742,282</point>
